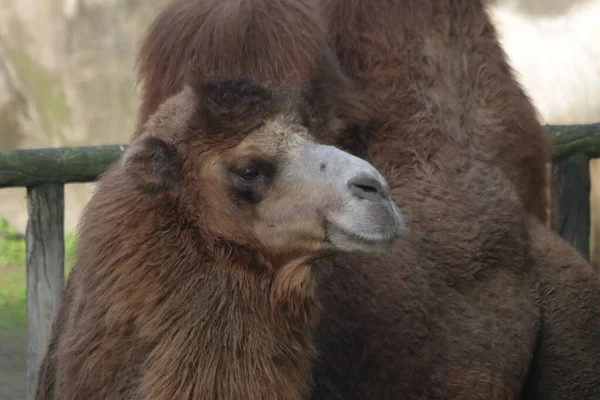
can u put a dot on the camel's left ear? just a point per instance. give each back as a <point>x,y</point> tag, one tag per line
<point>152,159</point>
<point>153,163</point>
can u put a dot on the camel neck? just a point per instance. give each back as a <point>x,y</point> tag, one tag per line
<point>246,332</point>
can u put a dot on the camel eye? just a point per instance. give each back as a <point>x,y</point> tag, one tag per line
<point>248,174</point>
<point>251,179</point>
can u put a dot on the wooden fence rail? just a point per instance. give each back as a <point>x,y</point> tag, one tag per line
<point>44,172</point>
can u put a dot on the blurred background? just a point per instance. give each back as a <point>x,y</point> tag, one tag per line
<point>67,78</point>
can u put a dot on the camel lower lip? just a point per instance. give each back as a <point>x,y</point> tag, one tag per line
<point>359,237</point>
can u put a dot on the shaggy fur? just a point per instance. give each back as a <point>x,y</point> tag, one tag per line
<point>269,41</point>
<point>436,77</point>
<point>478,301</point>
<point>449,314</point>
<point>173,294</point>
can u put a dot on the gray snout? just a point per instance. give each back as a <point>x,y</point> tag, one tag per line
<point>367,187</point>
<point>352,196</point>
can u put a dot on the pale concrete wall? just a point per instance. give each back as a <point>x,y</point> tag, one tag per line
<point>67,78</point>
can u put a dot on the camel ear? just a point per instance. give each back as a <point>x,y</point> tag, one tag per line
<point>152,159</point>
<point>337,110</point>
<point>152,163</point>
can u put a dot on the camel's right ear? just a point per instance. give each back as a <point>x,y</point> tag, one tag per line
<point>153,163</point>
<point>337,109</point>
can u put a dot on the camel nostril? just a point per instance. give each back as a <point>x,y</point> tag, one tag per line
<point>367,187</point>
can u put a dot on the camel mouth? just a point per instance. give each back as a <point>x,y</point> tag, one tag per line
<point>341,238</point>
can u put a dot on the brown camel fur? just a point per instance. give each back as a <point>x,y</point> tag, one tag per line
<point>434,73</point>
<point>478,301</point>
<point>270,41</point>
<point>193,277</point>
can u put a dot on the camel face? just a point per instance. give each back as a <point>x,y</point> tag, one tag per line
<point>311,196</point>
<point>253,174</point>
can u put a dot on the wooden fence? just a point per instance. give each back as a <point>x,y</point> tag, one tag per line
<point>44,172</point>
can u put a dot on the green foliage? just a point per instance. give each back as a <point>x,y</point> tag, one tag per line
<point>13,271</point>
<point>12,264</point>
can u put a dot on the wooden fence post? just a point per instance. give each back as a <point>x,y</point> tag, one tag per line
<point>45,270</point>
<point>571,201</point>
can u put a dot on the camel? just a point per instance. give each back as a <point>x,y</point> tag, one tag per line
<point>480,300</point>
<point>193,275</point>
